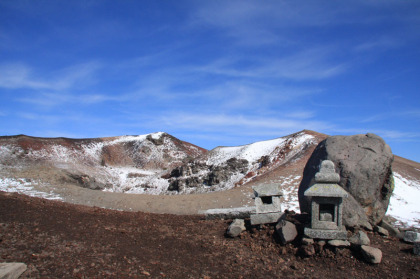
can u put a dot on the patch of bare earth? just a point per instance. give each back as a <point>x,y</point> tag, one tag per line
<point>61,240</point>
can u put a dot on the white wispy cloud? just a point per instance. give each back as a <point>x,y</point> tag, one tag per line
<point>310,64</point>
<point>241,124</point>
<point>19,75</point>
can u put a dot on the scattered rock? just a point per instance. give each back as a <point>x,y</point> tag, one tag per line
<point>416,248</point>
<point>339,243</point>
<point>371,254</point>
<point>11,270</point>
<point>411,237</point>
<point>390,228</point>
<point>286,231</point>
<point>84,180</point>
<point>307,241</point>
<point>364,164</point>
<point>236,227</point>
<point>360,238</point>
<point>381,231</point>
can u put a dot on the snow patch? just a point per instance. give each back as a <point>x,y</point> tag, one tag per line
<point>23,186</point>
<point>404,202</point>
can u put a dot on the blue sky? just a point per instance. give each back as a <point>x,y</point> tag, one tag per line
<point>211,72</point>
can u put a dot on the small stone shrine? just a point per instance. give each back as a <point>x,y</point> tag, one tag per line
<point>326,204</point>
<point>267,202</point>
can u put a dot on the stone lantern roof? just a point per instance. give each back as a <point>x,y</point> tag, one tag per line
<point>326,190</point>
<point>267,190</point>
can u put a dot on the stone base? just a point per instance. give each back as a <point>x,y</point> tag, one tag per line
<point>326,234</point>
<point>266,218</point>
<point>228,213</point>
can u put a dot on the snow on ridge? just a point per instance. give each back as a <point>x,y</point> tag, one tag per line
<point>137,138</point>
<point>250,152</point>
<point>254,151</point>
<point>403,204</point>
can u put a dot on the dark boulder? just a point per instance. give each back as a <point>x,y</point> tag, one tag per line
<point>364,164</point>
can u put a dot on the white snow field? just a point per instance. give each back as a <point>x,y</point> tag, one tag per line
<point>404,204</point>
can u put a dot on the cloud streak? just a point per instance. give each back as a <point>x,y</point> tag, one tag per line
<point>21,76</point>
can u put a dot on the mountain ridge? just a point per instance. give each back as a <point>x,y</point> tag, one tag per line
<point>73,170</point>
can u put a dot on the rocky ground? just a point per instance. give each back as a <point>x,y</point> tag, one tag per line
<point>61,240</point>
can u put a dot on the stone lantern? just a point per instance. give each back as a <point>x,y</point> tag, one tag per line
<point>267,203</point>
<point>326,204</point>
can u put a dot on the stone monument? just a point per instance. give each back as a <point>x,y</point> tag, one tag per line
<point>267,202</point>
<point>326,204</point>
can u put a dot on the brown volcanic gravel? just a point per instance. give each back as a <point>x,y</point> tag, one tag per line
<point>60,240</point>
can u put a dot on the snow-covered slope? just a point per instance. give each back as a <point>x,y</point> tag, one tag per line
<point>120,164</point>
<point>226,167</point>
<point>404,204</point>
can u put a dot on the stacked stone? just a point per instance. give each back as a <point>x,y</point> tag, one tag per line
<point>267,202</point>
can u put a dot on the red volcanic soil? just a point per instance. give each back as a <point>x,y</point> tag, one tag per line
<point>60,240</point>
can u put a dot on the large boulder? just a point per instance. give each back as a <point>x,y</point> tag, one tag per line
<point>364,164</point>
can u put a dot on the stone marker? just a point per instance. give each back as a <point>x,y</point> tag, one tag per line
<point>267,203</point>
<point>11,270</point>
<point>326,198</point>
<point>359,239</point>
<point>371,254</point>
<point>410,236</point>
<point>286,231</point>
<point>236,227</point>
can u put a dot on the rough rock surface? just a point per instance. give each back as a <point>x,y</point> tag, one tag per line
<point>286,231</point>
<point>364,164</point>
<point>11,270</point>
<point>360,238</point>
<point>339,243</point>
<point>390,228</point>
<point>381,231</point>
<point>371,254</point>
<point>236,227</point>
<point>411,237</point>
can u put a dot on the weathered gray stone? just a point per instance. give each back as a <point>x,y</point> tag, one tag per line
<point>360,238</point>
<point>410,236</point>
<point>266,218</point>
<point>326,206</point>
<point>267,204</point>
<point>364,164</point>
<point>371,254</point>
<point>265,190</point>
<point>381,231</point>
<point>327,173</point>
<point>228,213</point>
<point>339,243</point>
<point>416,248</point>
<point>286,231</point>
<point>236,227</point>
<point>326,234</point>
<point>11,270</point>
<point>390,228</point>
